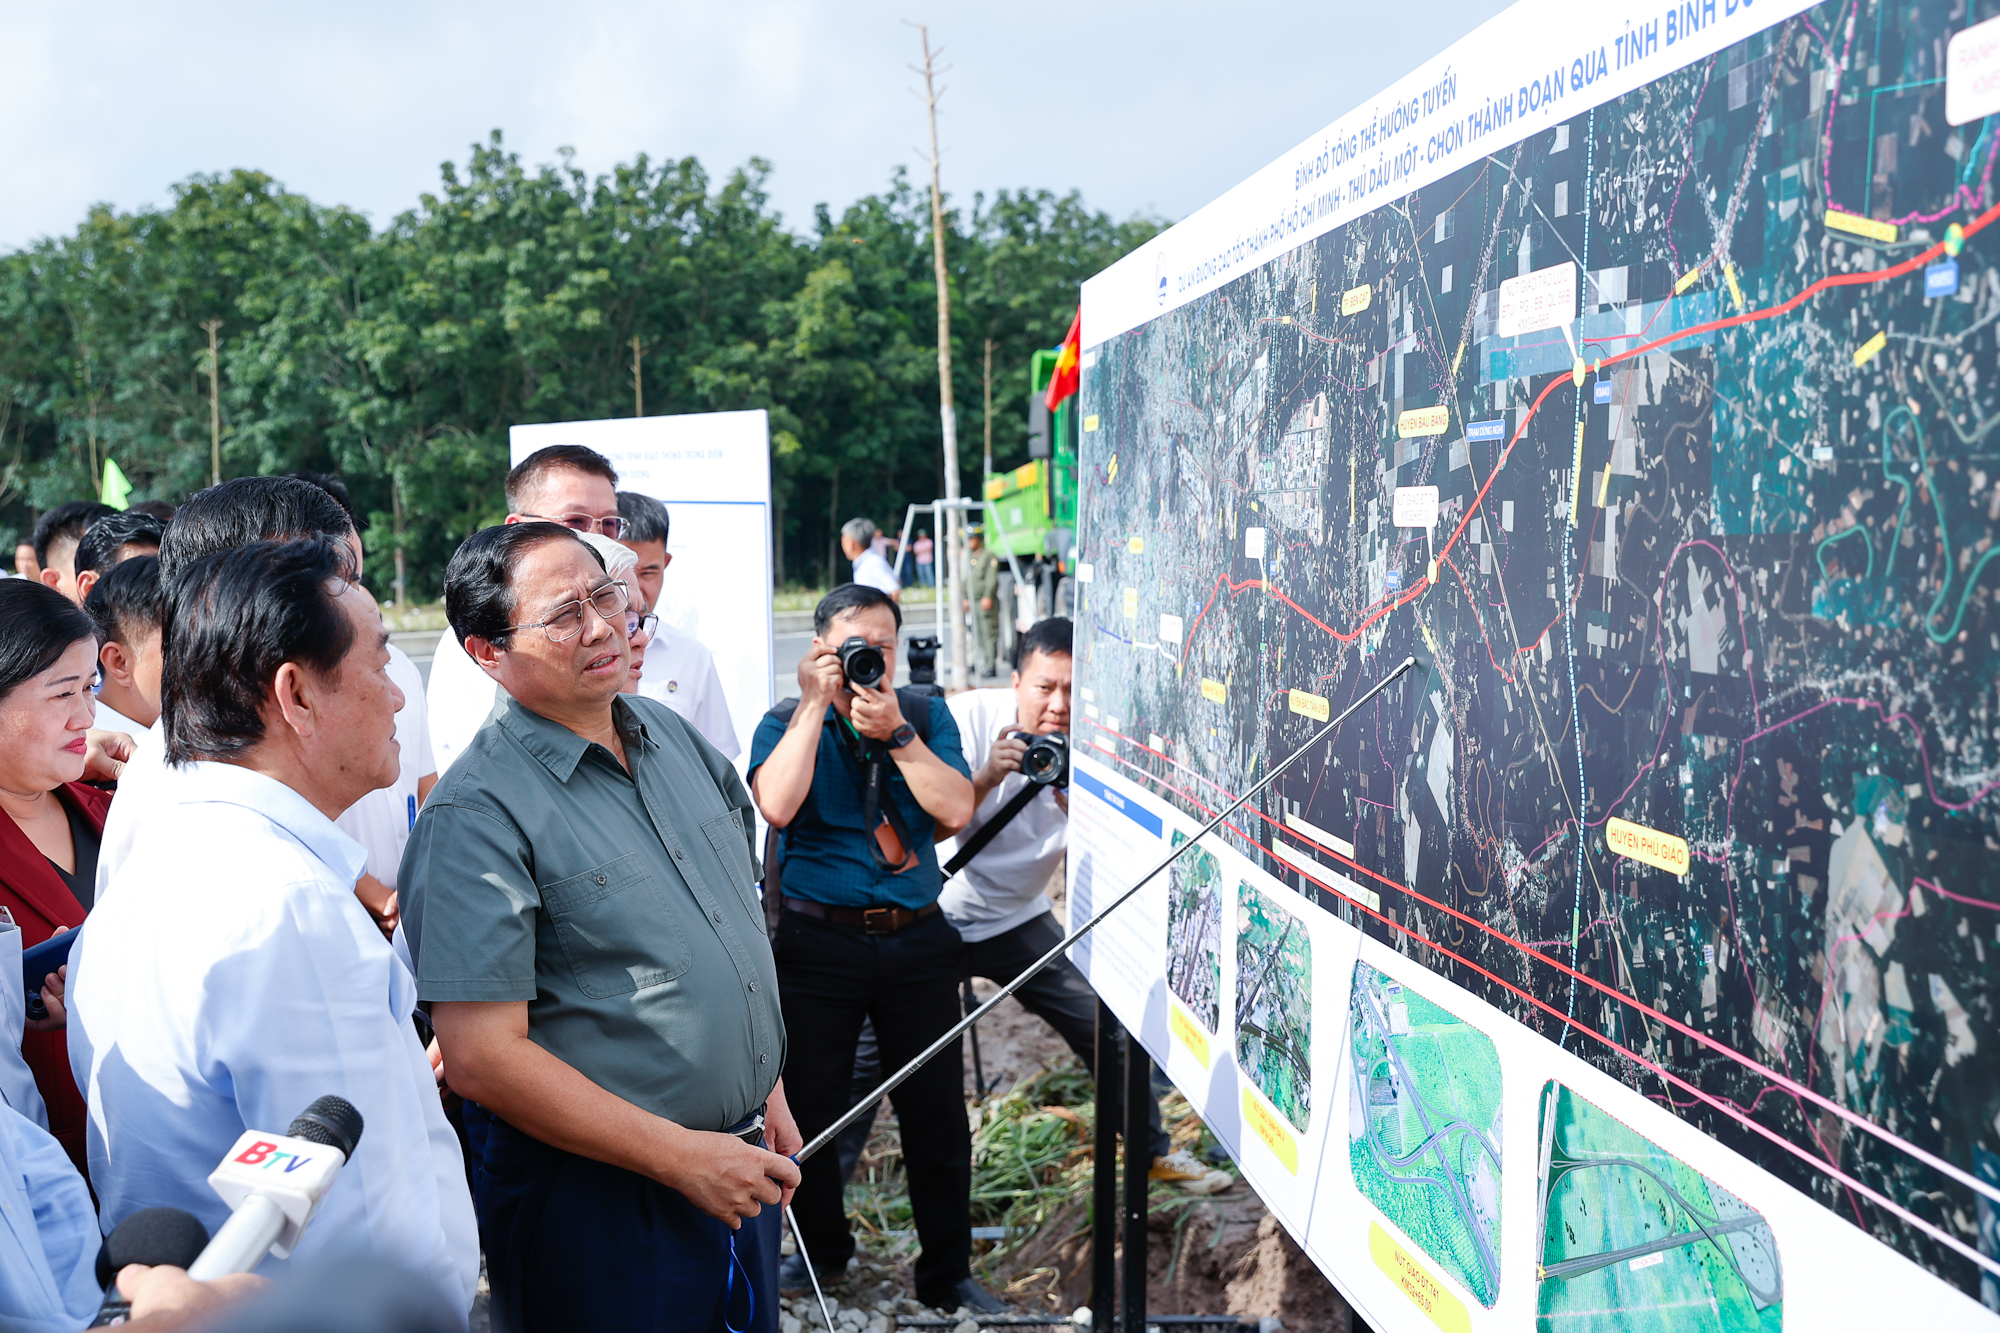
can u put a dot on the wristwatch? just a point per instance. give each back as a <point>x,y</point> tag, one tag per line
<point>902,736</point>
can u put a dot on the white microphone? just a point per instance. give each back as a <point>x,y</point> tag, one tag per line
<point>273,1184</point>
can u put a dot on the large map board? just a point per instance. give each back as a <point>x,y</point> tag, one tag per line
<point>1634,966</point>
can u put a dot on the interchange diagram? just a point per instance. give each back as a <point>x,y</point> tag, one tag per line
<point>1703,566</point>
<point>1424,1126</point>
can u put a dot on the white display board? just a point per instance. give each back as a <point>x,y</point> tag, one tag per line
<point>712,471</point>
<point>1630,967</point>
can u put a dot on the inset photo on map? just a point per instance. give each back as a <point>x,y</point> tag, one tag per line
<point>1634,1240</point>
<point>1274,1003</point>
<point>1194,934</point>
<point>1424,1126</point>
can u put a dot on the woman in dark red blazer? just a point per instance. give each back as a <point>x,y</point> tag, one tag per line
<point>50,824</point>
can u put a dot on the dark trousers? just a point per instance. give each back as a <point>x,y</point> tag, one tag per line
<point>1059,996</point>
<point>830,978</point>
<point>573,1243</point>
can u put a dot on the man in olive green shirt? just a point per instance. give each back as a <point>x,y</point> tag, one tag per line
<point>579,896</point>
<point>985,594</point>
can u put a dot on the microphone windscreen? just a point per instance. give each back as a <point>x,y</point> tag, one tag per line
<point>151,1236</point>
<point>332,1121</point>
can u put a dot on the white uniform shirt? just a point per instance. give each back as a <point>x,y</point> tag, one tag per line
<point>458,698</point>
<point>1001,887</point>
<point>231,978</point>
<point>872,568</point>
<point>144,778</point>
<point>48,1234</point>
<point>680,673</point>
<point>381,820</point>
<point>110,719</point>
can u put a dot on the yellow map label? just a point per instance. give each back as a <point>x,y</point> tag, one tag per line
<point>1266,1125</point>
<point>1866,352</point>
<point>1355,299</point>
<point>1423,421</point>
<point>1310,705</point>
<point>1136,545</point>
<point>1857,225</point>
<point>1735,288</point>
<point>1445,1310</point>
<point>1188,1033</point>
<point>1687,280</point>
<point>1090,422</point>
<point>1214,691</point>
<point>1663,851</point>
<point>1131,603</point>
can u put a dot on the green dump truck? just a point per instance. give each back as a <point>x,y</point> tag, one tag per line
<point>1031,512</point>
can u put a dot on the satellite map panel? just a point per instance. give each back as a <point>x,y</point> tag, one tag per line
<point>1669,431</point>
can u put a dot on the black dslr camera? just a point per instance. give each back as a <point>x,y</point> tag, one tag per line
<point>861,663</point>
<point>1046,764</point>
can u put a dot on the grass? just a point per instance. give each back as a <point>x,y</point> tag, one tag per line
<point>805,599</point>
<point>1032,1158</point>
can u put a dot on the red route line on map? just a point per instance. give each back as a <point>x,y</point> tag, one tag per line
<point>1784,1081</point>
<point>1423,583</point>
<point>1720,1104</point>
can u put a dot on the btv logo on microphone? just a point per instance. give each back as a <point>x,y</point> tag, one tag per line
<point>269,1156</point>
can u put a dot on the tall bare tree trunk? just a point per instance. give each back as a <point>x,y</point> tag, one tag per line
<point>947,412</point>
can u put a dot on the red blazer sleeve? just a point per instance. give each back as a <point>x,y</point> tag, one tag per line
<point>41,903</point>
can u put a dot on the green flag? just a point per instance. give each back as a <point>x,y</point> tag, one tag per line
<point>116,488</point>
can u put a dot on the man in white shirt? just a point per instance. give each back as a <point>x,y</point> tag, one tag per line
<point>235,513</point>
<point>125,603</point>
<point>679,670</point>
<point>564,483</point>
<point>998,900</point>
<point>230,977</point>
<point>871,567</point>
<point>381,821</point>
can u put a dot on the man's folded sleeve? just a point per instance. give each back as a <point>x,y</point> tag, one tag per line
<point>469,905</point>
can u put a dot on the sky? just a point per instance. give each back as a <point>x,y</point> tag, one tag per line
<point>1151,108</point>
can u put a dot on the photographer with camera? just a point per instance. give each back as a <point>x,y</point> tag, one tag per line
<point>861,778</point>
<point>1017,742</point>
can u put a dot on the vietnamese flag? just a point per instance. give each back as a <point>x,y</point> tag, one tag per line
<point>1063,383</point>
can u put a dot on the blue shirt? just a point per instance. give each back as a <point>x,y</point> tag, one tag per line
<point>228,977</point>
<point>827,857</point>
<point>48,1233</point>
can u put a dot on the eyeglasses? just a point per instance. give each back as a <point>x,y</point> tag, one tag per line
<point>566,621</point>
<point>637,626</point>
<point>612,527</point>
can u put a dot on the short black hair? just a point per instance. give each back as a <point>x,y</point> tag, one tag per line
<point>849,598</point>
<point>37,626</point>
<point>159,509</point>
<point>97,550</point>
<point>1054,636</point>
<point>645,518</point>
<point>528,474</point>
<point>249,509</point>
<point>233,618</point>
<point>337,488</point>
<point>66,522</point>
<point>128,600</point>
<point>479,581</point>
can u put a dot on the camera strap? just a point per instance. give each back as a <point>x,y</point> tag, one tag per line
<point>991,828</point>
<point>889,840</point>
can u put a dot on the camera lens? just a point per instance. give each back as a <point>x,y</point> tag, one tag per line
<point>1047,761</point>
<point>861,663</point>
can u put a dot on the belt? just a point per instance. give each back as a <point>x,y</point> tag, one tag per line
<point>750,1128</point>
<point>874,920</point>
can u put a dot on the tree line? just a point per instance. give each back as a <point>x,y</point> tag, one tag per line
<point>397,359</point>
